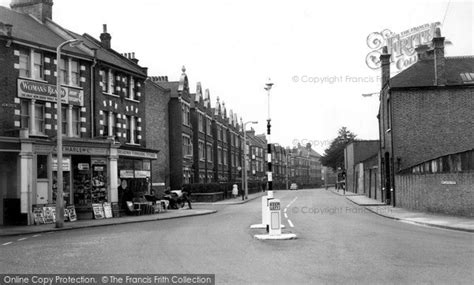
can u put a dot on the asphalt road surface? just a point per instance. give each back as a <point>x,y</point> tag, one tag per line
<point>338,242</point>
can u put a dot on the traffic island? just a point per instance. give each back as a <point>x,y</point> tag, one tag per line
<point>286,236</point>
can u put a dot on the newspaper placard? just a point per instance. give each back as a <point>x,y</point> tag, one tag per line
<point>98,210</point>
<point>107,210</point>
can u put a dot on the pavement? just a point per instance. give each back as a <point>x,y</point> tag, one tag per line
<point>409,216</point>
<point>169,214</point>
<point>234,201</point>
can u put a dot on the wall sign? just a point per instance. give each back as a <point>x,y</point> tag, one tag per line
<point>47,92</point>
<point>126,174</point>
<point>66,164</point>
<point>136,153</point>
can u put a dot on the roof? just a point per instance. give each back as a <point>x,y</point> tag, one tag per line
<point>50,35</point>
<point>27,28</point>
<point>459,71</point>
<point>110,56</point>
<point>171,85</point>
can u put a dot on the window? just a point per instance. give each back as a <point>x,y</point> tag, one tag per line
<point>106,124</point>
<point>127,127</point>
<point>208,122</point>
<point>24,64</point>
<point>219,155</point>
<point>201,123</point>
<point>42,166</point>
<point>64,118</point>
<point>75,79</point>
<point>185,114</point>
<point>202,155</point>
<point>111,88</point>
<point>112,124</point>
<point>209,153</point>
<point>38,66</point>
<point>39,118</point>
<point>25,114</point>
<point>132,88</point>
<point>76,122</point>
<point>104,79</point>
<point>224,136</point>
<point>63,71</point>
<point>125,89</point>
<point>219,134</point>
<point>224,157</point>
<point>187,146</point>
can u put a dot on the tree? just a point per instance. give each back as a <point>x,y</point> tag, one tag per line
<point>334,155</point>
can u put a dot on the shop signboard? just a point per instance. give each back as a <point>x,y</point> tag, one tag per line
<point>47,92</point>
<point>126,174</point>
<point>71,210</point>
<point>38,215</point>
<point>49,215</point>
<point>66,164</point>
<point>83,166</point>
<point>136,153</point>
<point>107,210</point>
<point>142,173</point>
<point>98,210</point>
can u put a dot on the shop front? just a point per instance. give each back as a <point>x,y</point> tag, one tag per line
<point>86,177</point>
<point>134,174</point>
<point>10,201</point>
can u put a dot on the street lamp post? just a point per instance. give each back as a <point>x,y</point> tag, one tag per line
<point>244,171</point>
<point>268,87</point>
<point>59,135</point>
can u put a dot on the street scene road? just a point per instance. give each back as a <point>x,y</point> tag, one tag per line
<point>337,242</point>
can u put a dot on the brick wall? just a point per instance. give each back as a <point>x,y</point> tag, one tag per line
<point>426,192</point>
<point>157,135</point>
<point>175,144</point>
<point>431,123</point>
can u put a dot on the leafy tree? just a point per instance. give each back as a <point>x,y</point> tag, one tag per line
<point>334,155</point>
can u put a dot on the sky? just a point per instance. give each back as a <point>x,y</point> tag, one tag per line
<point>313,51</point>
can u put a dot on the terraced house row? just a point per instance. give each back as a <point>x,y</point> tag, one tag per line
<point>122,129</point>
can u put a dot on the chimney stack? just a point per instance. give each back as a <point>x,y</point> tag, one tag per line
<point>439,59</point>
<point>40,9</point>
<point>105,38</point>
<point>385,60</point>
<point>133,58</point>
<point>422,52</point>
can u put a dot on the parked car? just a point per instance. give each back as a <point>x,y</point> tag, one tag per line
<point>293,186</point>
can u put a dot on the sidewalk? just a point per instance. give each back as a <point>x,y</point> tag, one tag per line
<point>409,216</point>
<point>234,201</point>
<point>170,214</point>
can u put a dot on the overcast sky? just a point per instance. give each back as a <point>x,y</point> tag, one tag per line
<point>233,47</point>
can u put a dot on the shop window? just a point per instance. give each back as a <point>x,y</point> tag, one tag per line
<point>38,66</point>
<point>25,114</point>
<point>42,166</point>
<point>24,63</point>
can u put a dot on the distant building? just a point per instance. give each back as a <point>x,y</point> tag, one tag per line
<point>426,124</point>
<point>355,153</point>
<point>305,167</point>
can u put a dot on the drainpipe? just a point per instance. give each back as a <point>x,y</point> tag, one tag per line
<point>93,93</point>
<point>391,162</point>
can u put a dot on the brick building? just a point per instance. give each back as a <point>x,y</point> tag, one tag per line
<point>157,134</point>
<point>305,167</point>
<point>102,110</point>
<point>257,144</point>
<point>426,119</point>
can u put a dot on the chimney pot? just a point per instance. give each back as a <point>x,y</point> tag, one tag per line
<point>105,38</point>
<point>439,59</point>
